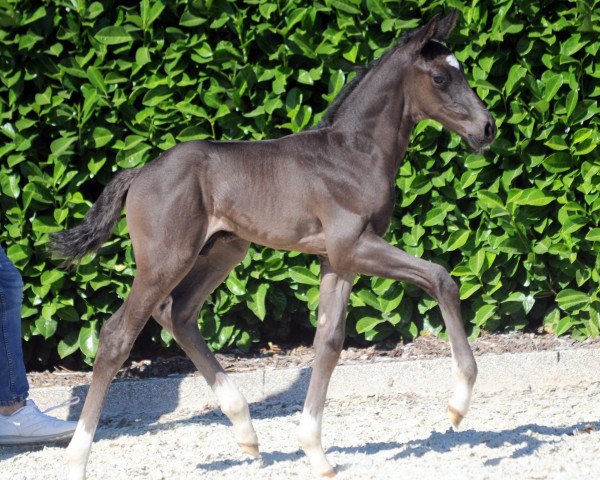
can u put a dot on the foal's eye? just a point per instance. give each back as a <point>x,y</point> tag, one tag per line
<point>439,80</point>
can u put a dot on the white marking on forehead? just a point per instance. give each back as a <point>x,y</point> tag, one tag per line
<point>452,61</point>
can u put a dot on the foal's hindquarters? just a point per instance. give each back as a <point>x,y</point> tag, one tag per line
<point>176,271</point>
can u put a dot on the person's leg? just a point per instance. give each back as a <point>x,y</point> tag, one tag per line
<point>20,419</point>
<point>13,381</point>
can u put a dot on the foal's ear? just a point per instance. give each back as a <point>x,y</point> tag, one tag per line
<point>425,33</point>
<point>446,25</point>
<point>438,28</point>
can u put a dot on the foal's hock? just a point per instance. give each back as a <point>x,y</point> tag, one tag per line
<point>328,191</point>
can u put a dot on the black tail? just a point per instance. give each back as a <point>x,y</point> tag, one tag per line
<point>98,223</point>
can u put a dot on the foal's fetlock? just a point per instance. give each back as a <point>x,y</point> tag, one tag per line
<point>243,430</point>
<point>318,461</point>
<point>461,397</point>
<point>76,473</point>
<point>309,436</point>
<point>246,437</point>
<point>235,407</point>
<point>78,452</point>
<point>250,449</point>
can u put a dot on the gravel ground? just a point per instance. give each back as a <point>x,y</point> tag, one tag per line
<point>547,435</point>
<point>539,433</point>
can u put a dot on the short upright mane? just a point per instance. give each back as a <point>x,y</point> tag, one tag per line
<point>329,116</point>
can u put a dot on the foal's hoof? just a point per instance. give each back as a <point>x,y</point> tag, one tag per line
<point>328,473</point>
<point>455,416</point>
<point>250,448</point>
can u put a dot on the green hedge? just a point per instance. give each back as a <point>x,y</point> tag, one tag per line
<point>88,88</point>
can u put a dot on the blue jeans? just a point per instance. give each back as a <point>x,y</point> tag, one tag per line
<point>13,381</point>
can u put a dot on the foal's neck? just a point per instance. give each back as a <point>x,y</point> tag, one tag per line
<point>377,111</point>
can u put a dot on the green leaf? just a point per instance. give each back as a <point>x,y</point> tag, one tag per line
<point>489,200</point>
<point>564,325</point>
<point>477,262</point>
<point>571,102</point>
<point>166,336</point>
<point>347,6</point>
<point>515,75</point>
<point>366,324</point>
<point>378,7</point>
<point>68,345</point>
<point>435,216</point>
<point>553,83</point>
<point>96,79</point>
<point>51,276</point>
<point>557,143</point>
<point>593,235</point>
<point>558,162</point>
<point>530,196</point>
<point>571,300</point>
<point>157,95</point>
<point>572,45</point>
<point>468,288</point>
<point>37,15</point>
<point>457,240</point>
<point>581,135</point>
<point>102,136</point>
<point>150,13</point>
<point>336,82</point>
<point>46,326</point>
<point>483,314</point>
<point>10,185</point>
<point>88,339</point>
<point>142,56</point>
<point>257,302</point>
<point>60,146</point>
<point>235,285</point>
<point>113,35</point>
<point>303,275</point>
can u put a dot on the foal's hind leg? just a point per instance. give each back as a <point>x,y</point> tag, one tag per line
<point>152,282</point>
<point>116,339</point>
<point>178,313</point>
<point>108,361</point>
<point>333,300</point>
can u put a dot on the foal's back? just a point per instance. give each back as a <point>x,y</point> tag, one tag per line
<point>270,192</point>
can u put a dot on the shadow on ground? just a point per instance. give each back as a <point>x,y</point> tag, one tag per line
<point>151,410</point>
<point>525,437</point>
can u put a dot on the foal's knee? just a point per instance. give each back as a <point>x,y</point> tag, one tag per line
<point>114,346</point>
<point>329,342</point>
<point>442,285</point>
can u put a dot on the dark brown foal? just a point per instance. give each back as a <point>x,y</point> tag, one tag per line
<point>328,191</point>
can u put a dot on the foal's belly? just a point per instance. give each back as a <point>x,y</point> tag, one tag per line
<point>304,236</point>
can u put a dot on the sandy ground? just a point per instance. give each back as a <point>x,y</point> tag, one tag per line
<point>549,433</point>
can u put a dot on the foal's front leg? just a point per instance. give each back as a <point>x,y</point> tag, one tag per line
<point>333,300</point>
<point>372,255</point>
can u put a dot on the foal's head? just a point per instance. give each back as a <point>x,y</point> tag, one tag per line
<point>438,88</point>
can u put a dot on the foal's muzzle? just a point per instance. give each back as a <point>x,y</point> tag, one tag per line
<point>483,140</point>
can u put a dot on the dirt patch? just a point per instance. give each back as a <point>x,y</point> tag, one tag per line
<point>282,357</point>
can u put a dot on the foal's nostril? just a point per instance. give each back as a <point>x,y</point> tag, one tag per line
<point>490,130</point>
